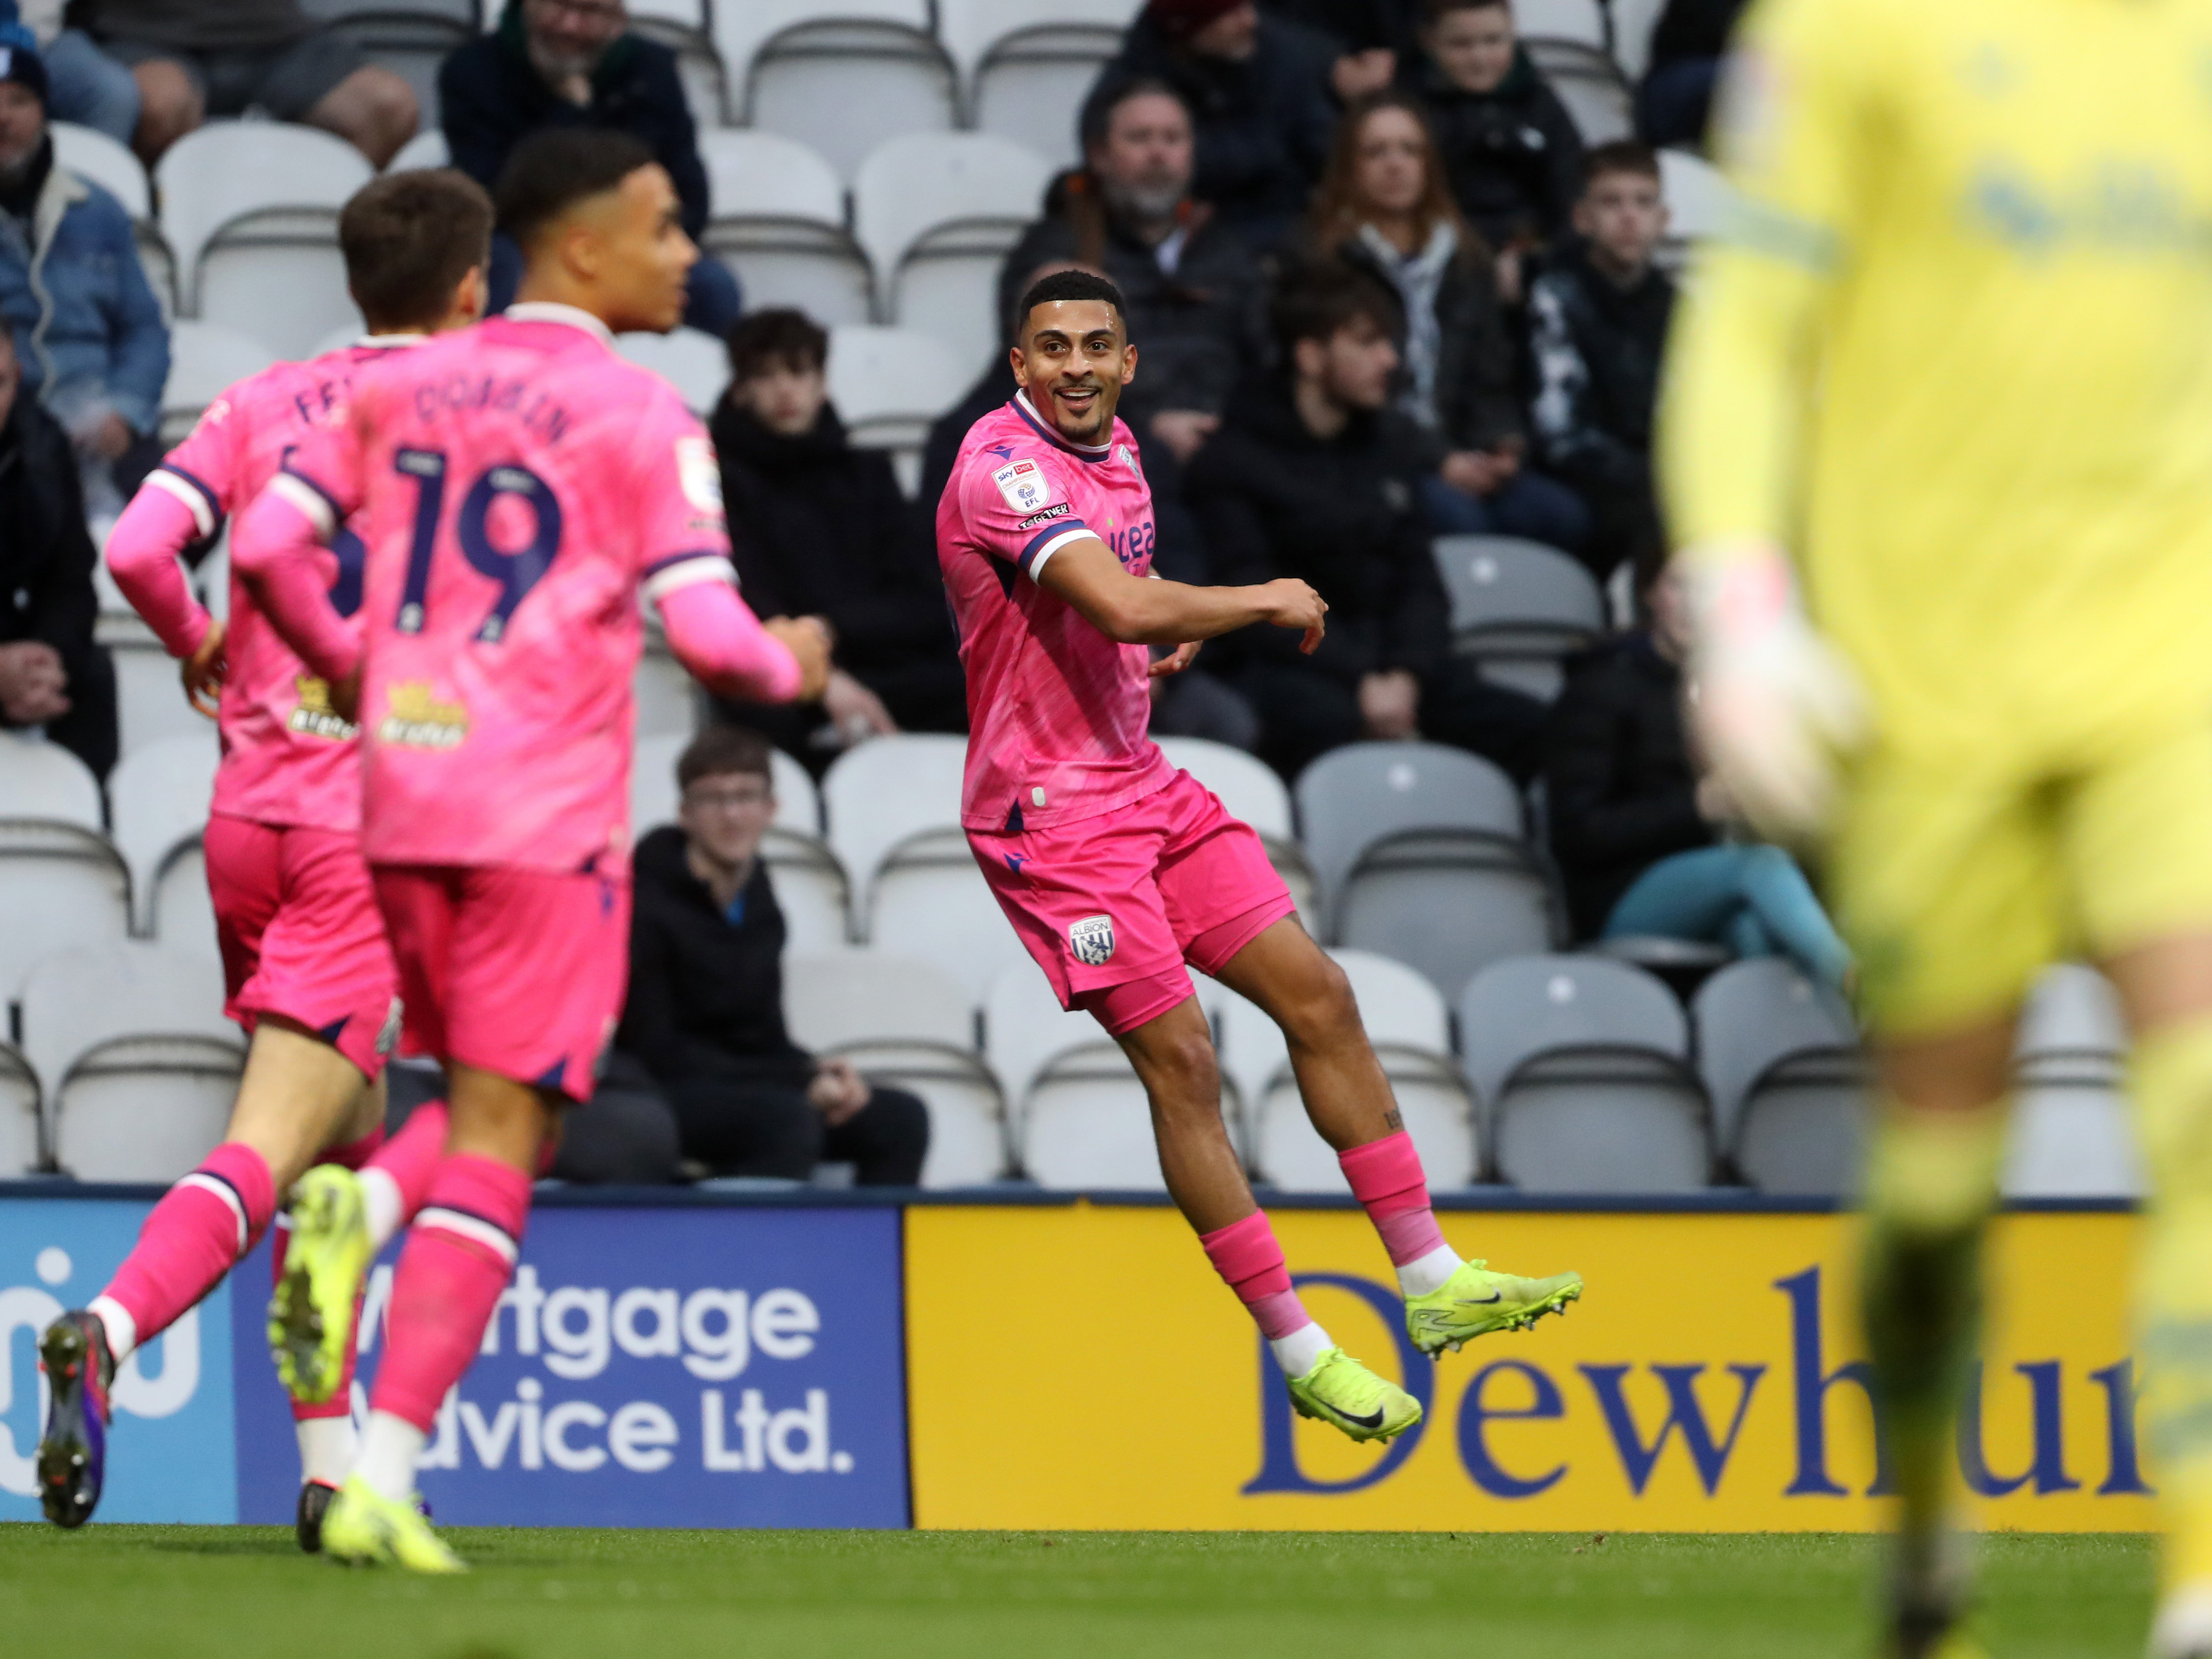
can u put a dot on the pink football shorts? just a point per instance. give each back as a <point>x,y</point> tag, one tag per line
<point>1126,898</point>
<point>517,972</point>
<point>296,921</point>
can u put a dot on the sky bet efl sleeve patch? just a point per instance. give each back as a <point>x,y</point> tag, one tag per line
<point>1025,484</point>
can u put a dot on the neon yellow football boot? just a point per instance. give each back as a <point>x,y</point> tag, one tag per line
<point>1474,1302</point>
<point>1344,1394</point>
<point>311,1312</point>
<point>362,1528</point>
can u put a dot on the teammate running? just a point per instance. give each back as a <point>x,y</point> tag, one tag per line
<point>1954,352</point>
<point>1115,868</point>
<point>305,964</point>
<point>519,487</point>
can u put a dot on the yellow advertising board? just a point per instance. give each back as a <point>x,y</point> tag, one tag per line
<point>1081,1366</point>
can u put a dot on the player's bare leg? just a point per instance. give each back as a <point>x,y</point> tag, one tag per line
<point>1173,1053</point>
<point>1348,1098</point>
<point>2167,990</point>
<point>456,1262</point>
<point>1931,1184</point>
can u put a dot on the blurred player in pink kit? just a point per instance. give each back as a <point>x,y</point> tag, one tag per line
<point>520,489</point>
<point>305,965</point>
<point>1117,869</point>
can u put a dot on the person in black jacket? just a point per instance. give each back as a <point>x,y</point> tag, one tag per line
<point>1637,832</point>
<point>1258,87</point>
<point>1598,317</point>
<point>705,1011</point>
<point>1675,101</point>
<point>1510,148</point>
<point>52,673</point>
<point>820,529</point>
<point>1309,476</point>
<point>574,63</point>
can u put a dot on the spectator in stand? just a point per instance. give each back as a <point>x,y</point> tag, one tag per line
<point>86,86</point>
<point>1384,207</point>
<point>1510,148</point>
<point>576,63</point>
<point>1258,92</point>
<point>1371,38</point>
<point>1311,476</point>
<point>820,529</point>
<point>1194,290</point>
<point>194,59</point>
<point>1597,322</point>
<point>1640,836</point>
<point>705,1012</point>
<point>52,673</point>
<point>1675,101</point>
<point>90,339</point>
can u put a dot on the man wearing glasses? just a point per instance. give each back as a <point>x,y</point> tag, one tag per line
<point>705,1012</point>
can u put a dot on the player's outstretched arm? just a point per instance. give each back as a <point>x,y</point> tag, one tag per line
<point>715,636</point>
<point>272,548</point>
<point>1137,611</point>
<point>164,518</point>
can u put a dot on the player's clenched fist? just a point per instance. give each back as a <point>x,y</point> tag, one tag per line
<point>1294,604</point>
<point>1772,703</point>
<point>809,641</point>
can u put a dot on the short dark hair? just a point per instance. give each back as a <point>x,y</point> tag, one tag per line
<point>555,169</point>
<point>782,335</point>
<point>1061,286</point>
<point>1097,118</point>
<point>409,238</point>
<point>1320,299</point>
<point>1434,12</point>
<point>722,749</point>
<point>1619,156</point>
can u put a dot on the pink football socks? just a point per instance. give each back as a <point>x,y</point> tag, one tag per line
<point>1387,1179</point>
<point>1249,1260</point>
<point>194,1235</point>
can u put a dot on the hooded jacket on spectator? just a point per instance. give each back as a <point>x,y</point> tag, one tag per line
<point>491,98</point>
<point>1262,123</point>
<point>1597,348</point>
<point>1341,513</point>
<point>1622,793</point>
<point>1512,154</point>
<point>73,292</point>
<point>1197,326</point>
<point>819,528</point>
<point>1477,405</point>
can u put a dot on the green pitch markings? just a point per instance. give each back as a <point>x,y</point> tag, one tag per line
<point>241,1593</point>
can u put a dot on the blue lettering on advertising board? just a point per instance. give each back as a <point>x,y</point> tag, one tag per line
<point>170,1447</point>
<point>684,1367</point>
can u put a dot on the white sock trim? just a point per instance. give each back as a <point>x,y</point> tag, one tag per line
<point>1301,1351</point>
<point>459,1222</point>
<point>122,1329</point>
<point>228,1193</point>
<point>1426,1273</point>
<point>380,1200</point>
<point>389,1452</point>
<point>327,1449</point>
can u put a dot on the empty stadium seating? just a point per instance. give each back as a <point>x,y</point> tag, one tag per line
<point>1581,1069</point>
<point>1025,65</point>
<point>205,360</point>
<point>23,1131</point>
<point>1782,1063</point>
<point>904,1021</point>
<point>2071,1137</point>
<point>694,363</point>
<point>1251,791</point>
<point>1697,200</point>
<point>1518,608</point>
<point>160,793</point>
<point>888,384</point>
<point>844,78</point>
<point>62,884</point>
<point>777,219</point>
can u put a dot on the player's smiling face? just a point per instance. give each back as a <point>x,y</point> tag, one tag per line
<point>1073,361</point>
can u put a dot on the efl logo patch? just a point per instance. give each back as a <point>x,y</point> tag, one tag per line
<point>1057,510</point>
<point>1092,940</point>
<point>697,470</point>
<point>1023,485</point>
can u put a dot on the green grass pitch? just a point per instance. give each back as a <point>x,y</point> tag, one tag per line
<point>154,1592</point>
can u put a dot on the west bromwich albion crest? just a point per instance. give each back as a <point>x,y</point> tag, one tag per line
<point>1023,485</point>
<point>1092,940</point>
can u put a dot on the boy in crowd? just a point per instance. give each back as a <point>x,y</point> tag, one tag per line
<point>1508,143</point>
<point>1597,322</point>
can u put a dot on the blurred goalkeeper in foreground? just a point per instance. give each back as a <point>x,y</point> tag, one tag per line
<point>1937,450</point>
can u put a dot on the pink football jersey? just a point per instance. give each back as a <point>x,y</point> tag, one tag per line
<point>287,759</point>
<point>1057,712</point>
<point>517,484</point>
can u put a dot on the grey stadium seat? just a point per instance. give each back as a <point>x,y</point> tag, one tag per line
<point>1026,65</point>
<point>62,885</point>
<point>904,1021</point>
<point>1422,855</point>
<point>160,794</point>
<point>2072,1132</point>
<point>889,385</point>
<point>843,76</point>
<point>1253,791</point>
<point>138,1064</point>
<point>23,1128</point>
<point>1581,1070</point>
<point>776,217</point>
<point>1519,609</point>
<point>1788,1077</point>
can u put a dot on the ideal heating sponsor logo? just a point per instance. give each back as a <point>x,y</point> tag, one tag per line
<point>749,1420</point>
